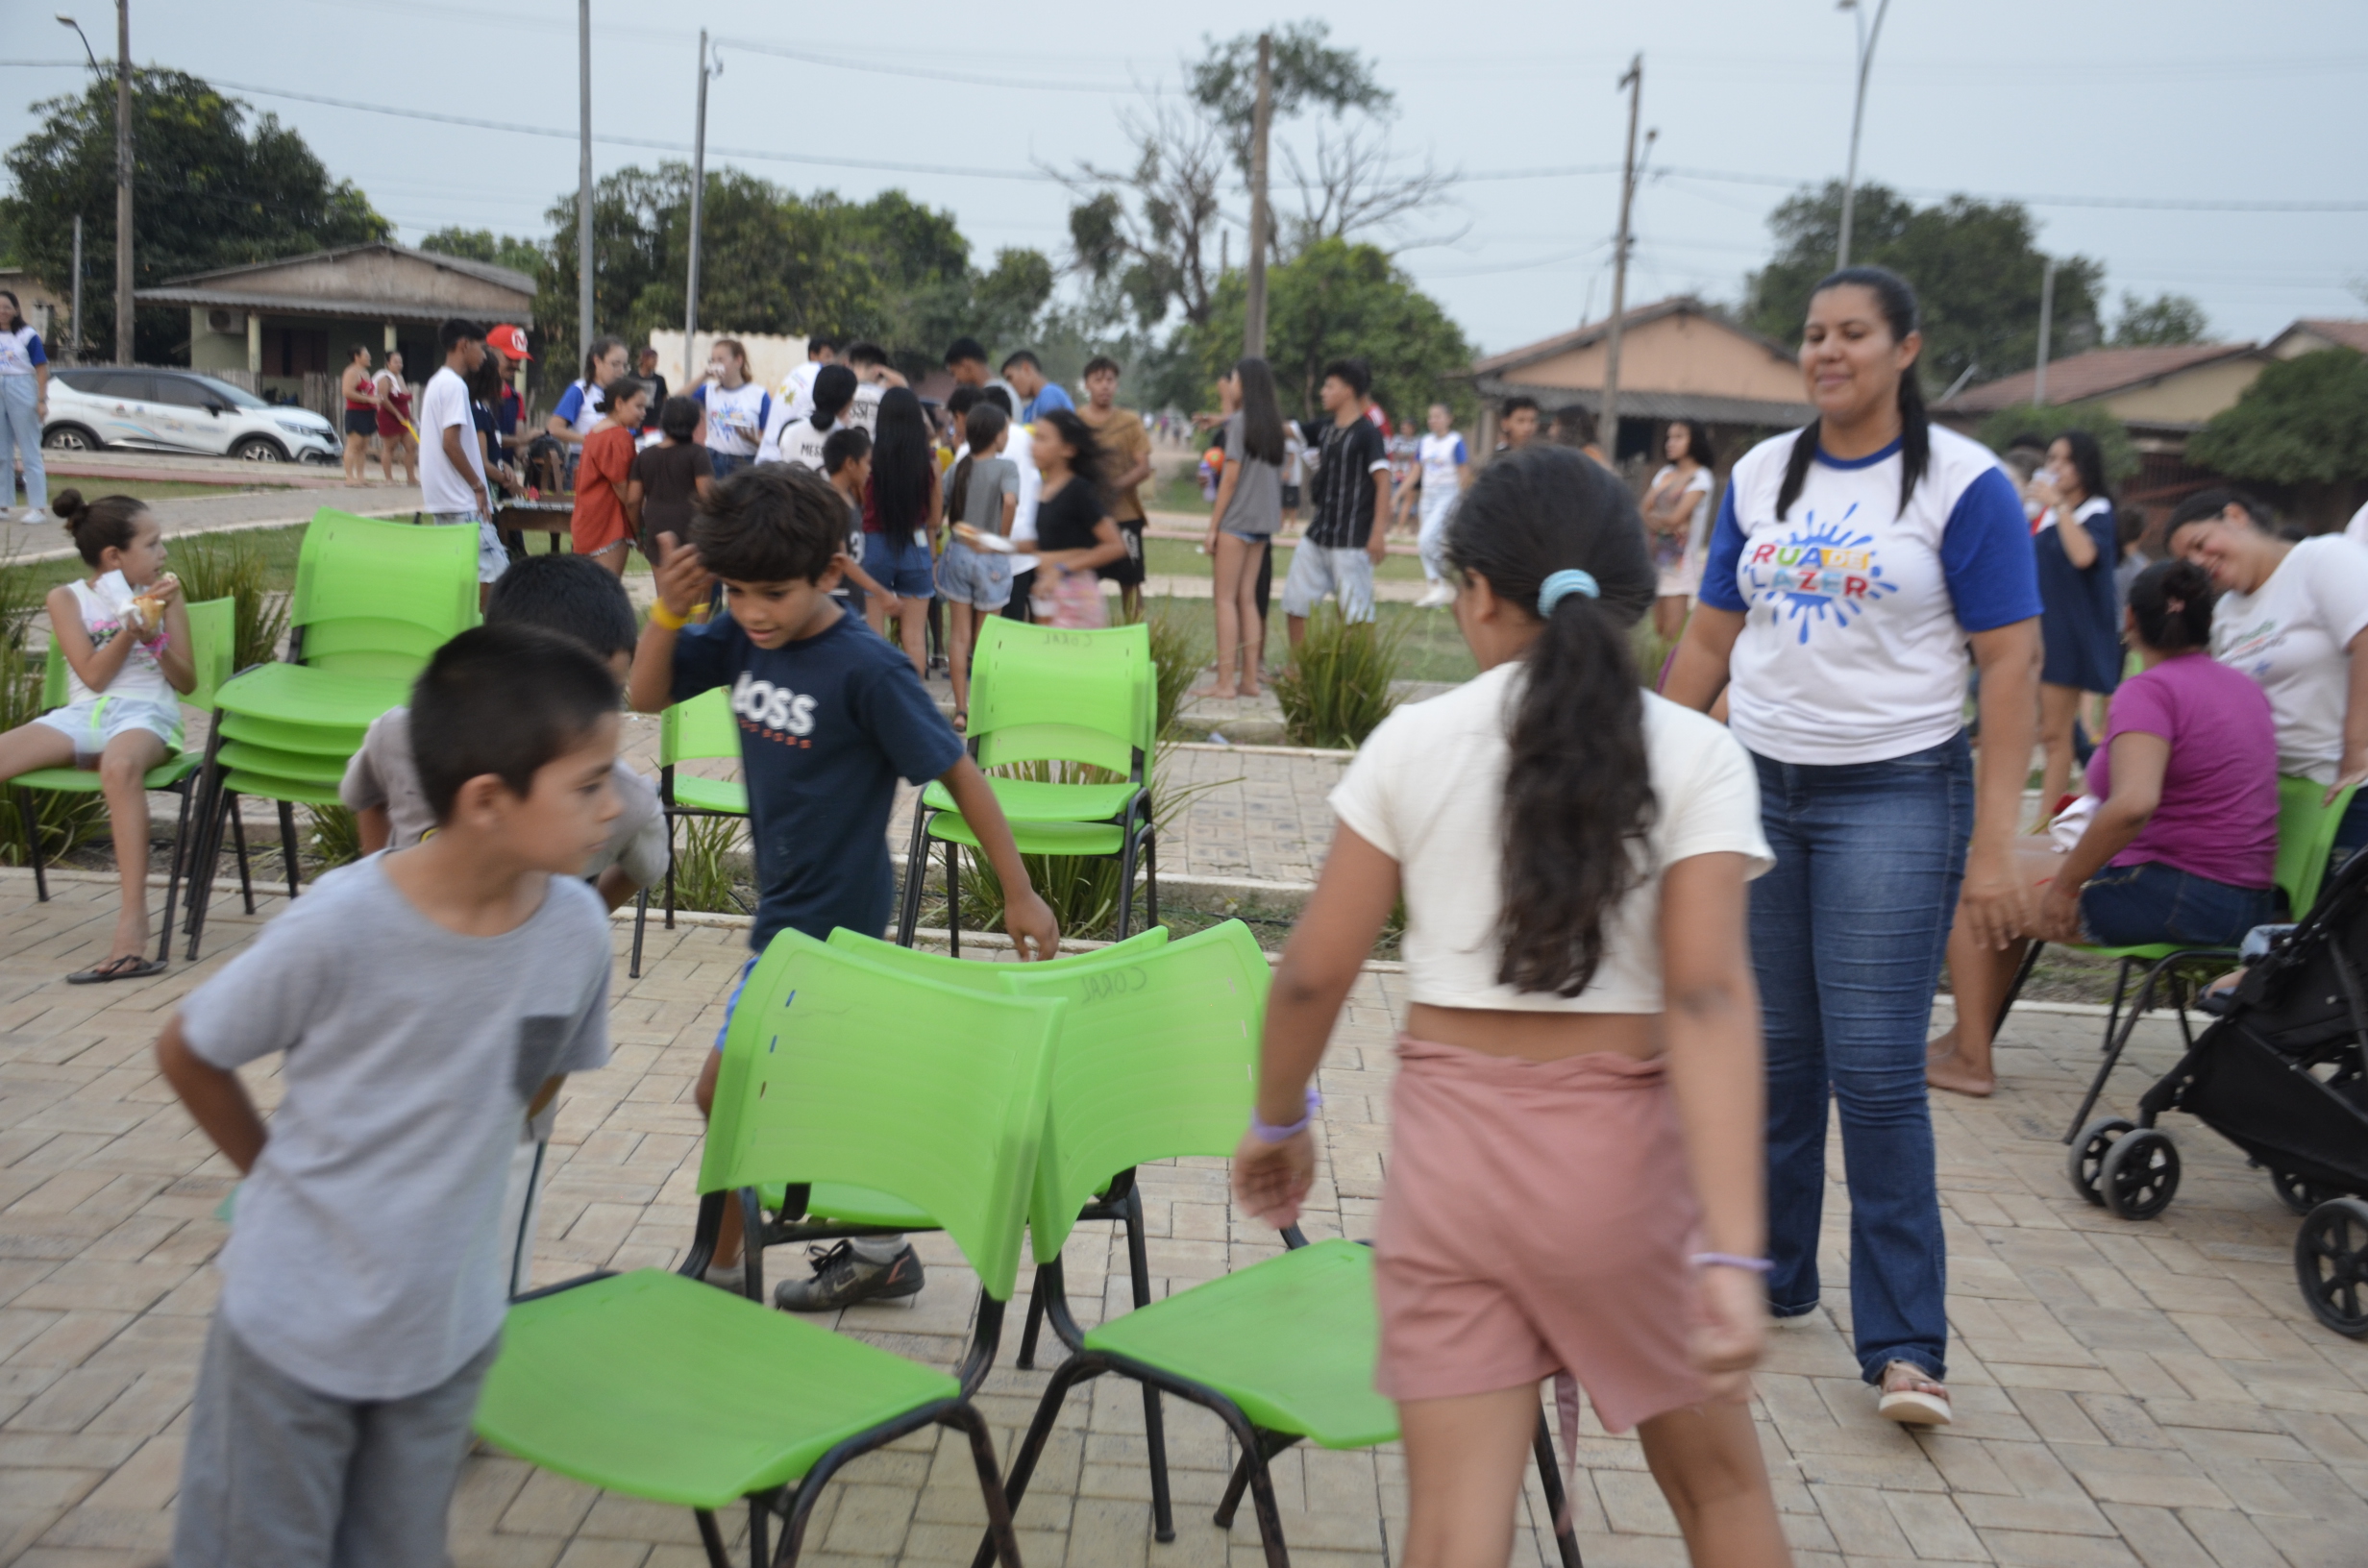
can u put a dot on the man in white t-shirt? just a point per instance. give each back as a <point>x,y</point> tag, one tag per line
<point>797,388</point>
<point>1443,468</point>
<point>873,377</point>
<point>451,465</point>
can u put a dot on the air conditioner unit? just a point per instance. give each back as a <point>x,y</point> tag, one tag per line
<point>225,321</point>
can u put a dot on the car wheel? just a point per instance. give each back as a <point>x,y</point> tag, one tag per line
<point>2140,1174</point>
<point>69,438</point>
<point>260,449</point>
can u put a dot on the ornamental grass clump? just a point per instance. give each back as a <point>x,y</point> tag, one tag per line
<point>1336,689</point>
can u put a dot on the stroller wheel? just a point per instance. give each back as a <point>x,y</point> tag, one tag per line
<point>2140,1174</point>
<point>2088,1151</point>
<point>2331,1262</point>
<point>2298,1195</point>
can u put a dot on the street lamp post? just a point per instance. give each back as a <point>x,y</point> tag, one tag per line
<point>74,344</point>
<point>709,66</point>
<point>1867,36</point>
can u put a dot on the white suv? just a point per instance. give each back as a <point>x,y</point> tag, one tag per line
<point>179,410</point>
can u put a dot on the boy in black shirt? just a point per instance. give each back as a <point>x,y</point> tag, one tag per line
<point>1351,488</point>
<point>830,716</point>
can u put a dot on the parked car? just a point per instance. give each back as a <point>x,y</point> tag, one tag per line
<point>179,410</point>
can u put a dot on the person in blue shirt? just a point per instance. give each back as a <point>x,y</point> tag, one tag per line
<point>830,716</point>
<point>24,403</point>
<point>1038,395</point>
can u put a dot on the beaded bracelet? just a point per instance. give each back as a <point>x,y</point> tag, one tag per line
<point>1266,1133</point>
<point>1729,1260</point>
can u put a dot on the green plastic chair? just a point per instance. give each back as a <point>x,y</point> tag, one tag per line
<point>660,1386</point>
<point>2305,838</point>
<point>1045,694</point>
<point>372,604</point>
<point>701,729</point>
<point>213,631</point>
<point>1283,1351</point>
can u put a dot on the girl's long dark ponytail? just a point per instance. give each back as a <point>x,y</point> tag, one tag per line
<point>1578,791</point>
<point>1916,427</point>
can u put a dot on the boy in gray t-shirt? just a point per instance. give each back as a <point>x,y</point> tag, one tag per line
<point>427,1000</point>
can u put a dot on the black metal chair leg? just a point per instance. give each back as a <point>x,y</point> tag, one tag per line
<point>172,869</point>
<point>670,870</point>
<point>1565,1538</point>
<point>1150,878</point>
<point>207,850</point>
<point>2115,1042</point>
<point>1126,884</point>
<point>916,872</point>
<point>28,814</point>
<point>1034,1325</point>
<point>953,898</point>
<point>1068,1375</point>
<point>1234,1488</point>
<point>1154,1422</point>
<point>711,1536</point>
<point>238,836</point>
<point>641,920</point>
<point>758,1557</point>
<point>287,842</point>
<point>999,1530</point>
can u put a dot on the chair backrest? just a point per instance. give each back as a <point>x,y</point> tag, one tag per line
<point>379,598</point>
<point>1047,692</point>
<point>699,729</point>
<point>2305,838</point>
<point>213,633</point>
<point>984,974</point>
<point>1158,1060</point>
<point>837,1068</point>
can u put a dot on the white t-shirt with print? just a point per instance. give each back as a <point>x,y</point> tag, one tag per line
<point>797,388</point>
<point>445,403</point>
<point>1856,609</point>
<point>2290,634</point>
<point>1440,457</point>
<point>798,441</point>
<point>736,416</point>
<point>1426,789</point>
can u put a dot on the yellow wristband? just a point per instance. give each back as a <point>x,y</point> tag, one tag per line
<point>661,616</point>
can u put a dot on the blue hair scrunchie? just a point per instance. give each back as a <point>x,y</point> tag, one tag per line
<point>1568,580</point>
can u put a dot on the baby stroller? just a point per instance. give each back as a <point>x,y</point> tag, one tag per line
<point>2279,1075</point>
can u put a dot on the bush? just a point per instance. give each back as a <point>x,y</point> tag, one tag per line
<point>1336,689</point>
<point>233,566</point>
<point>703,877</point>
<point>335,839</point>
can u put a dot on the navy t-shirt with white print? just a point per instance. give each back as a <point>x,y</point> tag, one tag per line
<point>826,726</point>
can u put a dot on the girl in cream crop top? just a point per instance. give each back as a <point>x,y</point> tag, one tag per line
<point>1427,790</point>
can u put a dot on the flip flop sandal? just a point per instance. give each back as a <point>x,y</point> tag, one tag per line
<point>1925,1402</point>
<point>129,967</point>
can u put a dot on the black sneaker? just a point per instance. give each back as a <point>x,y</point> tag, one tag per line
<point>842,1278</point>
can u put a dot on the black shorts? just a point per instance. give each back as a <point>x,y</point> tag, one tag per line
<point>361,421</point>
<point>1127,571</point>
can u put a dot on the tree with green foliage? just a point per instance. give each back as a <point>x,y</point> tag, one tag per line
<point>1975,267</point>
<point>484,245</point>
<point>2121,454</point>
<point>1340,301</point>
<point>2166,318</point>
<point>774,261</point>
<point>2304,423</point>
<point>210,191</point>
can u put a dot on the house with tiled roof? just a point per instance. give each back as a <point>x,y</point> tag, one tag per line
<point>2314,333</point>
<point>2164,393</point>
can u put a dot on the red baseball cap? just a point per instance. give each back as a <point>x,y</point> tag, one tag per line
<point>509,340</point>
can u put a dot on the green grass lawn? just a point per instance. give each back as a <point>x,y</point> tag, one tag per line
<point>152,489</point>
<point>1175,558</point>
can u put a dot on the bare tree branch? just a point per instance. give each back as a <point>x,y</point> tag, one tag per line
<point>1358,187</point>
<point>1153,224</point>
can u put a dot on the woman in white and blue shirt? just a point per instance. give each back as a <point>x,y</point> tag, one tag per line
<point>24,403</point>
<point>1852,566</point>
<point>737,409</point>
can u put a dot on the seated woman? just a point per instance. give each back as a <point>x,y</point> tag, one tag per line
<point>2183,841</point>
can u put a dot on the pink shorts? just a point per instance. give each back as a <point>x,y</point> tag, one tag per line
<point>1537,1219</point>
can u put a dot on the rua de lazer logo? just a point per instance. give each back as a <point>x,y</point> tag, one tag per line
<point>1817,574</point>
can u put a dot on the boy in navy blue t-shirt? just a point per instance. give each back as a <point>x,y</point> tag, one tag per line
<point>830,717</point>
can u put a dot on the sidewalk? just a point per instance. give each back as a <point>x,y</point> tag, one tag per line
<point>2126,1395</point>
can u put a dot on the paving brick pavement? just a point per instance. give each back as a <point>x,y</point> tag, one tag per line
<point>2147,1395</point>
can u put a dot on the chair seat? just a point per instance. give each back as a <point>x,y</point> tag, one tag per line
<point>341,741</point>
<point>296,695</point>
<point>268,787</point>
<point>725,794</point>
<point>1037,838</point>
<point>1291,1340</point>
<point>664,1388</point>
<point>269,762</point>
<point>2153,952</point>
<point>164,775</point>
<point>1034,801</point>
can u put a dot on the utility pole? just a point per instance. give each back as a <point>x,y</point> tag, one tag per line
<point>583,179</point>
<point>124,354</point>
<point>2047,323</point>
<point>1261,216</point>
<point>1607,428</point>
<point>1867,37</point>
<point>74,348</point>
<point>698,189</point>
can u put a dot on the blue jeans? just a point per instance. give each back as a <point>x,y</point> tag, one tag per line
<point>2135,906</point>
<point>723,464</point>
<point>20,429</point>
<point>1847,936</point>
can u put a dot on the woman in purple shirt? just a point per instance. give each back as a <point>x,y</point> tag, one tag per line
<point>2182,845</point>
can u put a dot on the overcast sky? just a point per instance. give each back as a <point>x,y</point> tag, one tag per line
<point>2167,100</point>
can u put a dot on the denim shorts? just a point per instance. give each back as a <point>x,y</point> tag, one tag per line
<point>2136,906</point>
<point>978,579</point>
<point>900,565</point>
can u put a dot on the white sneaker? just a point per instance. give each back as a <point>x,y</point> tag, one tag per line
<point>1437,597</point>
<point>34,517</point>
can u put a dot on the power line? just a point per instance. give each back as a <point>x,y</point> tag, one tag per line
<point>810,58</point>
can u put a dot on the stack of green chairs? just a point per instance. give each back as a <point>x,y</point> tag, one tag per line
<point>373,602</point>
<point>1046,694</point>
<point>701,729</point>
<point>213,629</point>
<point>664,1387</point>
<point>2305,838</point>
